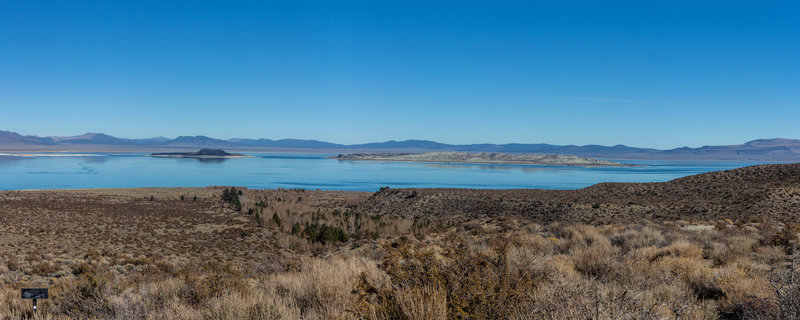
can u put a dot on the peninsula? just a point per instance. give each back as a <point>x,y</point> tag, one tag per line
<point>202,154</point>
<point>483,158</point>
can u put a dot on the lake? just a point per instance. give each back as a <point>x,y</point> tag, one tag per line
<point>314,171</point>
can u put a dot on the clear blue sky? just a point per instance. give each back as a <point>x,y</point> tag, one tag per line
<point>642,73</point>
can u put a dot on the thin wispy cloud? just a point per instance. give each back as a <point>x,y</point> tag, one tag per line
<point>596,99</point>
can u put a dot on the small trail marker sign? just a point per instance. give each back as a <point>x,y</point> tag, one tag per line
<point>35,294</point>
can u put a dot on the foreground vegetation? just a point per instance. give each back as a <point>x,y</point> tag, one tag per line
<point>216,253</point>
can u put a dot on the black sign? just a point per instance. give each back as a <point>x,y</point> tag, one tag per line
<point>31,293</point>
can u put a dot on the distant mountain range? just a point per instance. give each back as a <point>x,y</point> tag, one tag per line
<point>758,150</point>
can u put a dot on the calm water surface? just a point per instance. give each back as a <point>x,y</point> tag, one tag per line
<point>313,171</point>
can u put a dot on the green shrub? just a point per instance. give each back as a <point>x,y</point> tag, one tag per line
<point>295,228</point>
<point>325,234</point>
<point>276,219</point>
<point>231,196</point>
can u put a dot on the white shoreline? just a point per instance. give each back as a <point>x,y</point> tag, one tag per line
<point>51,154</point>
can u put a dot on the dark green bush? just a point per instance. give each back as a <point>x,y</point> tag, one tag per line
<point>276,219</point>
<point>325,234</point>
<point>295,228</point>
<point>231,196</point>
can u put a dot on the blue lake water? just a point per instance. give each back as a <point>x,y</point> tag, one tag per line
<point>314,171</point>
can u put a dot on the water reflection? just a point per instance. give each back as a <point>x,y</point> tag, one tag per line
<point>88,169</point>
<point>211,160</point>
<point>188,160</point>
<point>9,160</point>
<point>94,159</point>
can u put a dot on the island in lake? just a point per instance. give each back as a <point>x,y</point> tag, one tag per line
<point>483,158</point>
<point>201,154</point>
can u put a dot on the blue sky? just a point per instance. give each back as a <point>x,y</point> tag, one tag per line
<point>642,73</point>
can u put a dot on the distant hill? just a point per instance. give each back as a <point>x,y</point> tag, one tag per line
<point>8,138</point>
<point>757,150</point>
<point>91,138</point>
<point>195,141</point>
<point>288,143</point>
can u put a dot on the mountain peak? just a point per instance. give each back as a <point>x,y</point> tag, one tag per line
<point>773,141</point>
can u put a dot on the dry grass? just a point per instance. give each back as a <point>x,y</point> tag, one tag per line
<point>118,255</point>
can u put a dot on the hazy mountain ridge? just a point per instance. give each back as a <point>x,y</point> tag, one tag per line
<point>778,149</point>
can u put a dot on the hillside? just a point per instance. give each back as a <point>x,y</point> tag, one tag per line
<point>757,191</point>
